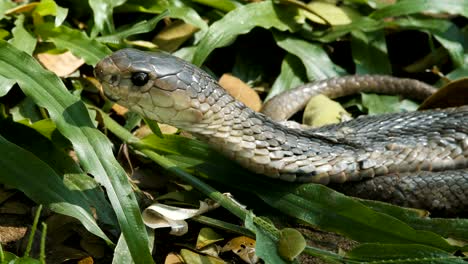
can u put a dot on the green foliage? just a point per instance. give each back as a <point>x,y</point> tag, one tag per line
<point>38,131</point>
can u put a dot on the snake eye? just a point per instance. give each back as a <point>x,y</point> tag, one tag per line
<point>140,78</point>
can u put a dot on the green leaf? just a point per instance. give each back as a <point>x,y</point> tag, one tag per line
<point>6,5</point>
<point>177,9</point>
<point>291,243</point>
<point>138,28</point>
<point>316,61</point>
<point>456,228</point>
<point>92,148</point>
<point>223,5</point>
<point>370,53</point>
<point>24,171</point>
<point>22,40</point>
<point>397,253</point>
<point>26,110</point>
<point>333,211</point>
<point>103,10</point>
<point>379,104</point>
<point>153,125</point>
<point>364,24</point>
<point>454,48</point>
<point>75,41</point>
<point>49,7</point>
<point>240,21</point>
<point>292,75</point>
<point>406,7</point>
<point>265,246</point>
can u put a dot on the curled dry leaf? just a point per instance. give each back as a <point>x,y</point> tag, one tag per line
<point>451,95</point>
<point>241,91</point>
<point>160,215</point>
<point>61,64</point>
<point>244,247</point>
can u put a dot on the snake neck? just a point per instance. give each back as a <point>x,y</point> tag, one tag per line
<point>260,144</point>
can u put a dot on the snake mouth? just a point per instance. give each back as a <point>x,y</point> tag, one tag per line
<point>110,96</point>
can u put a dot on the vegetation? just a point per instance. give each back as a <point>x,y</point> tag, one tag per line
<point>59,137</point>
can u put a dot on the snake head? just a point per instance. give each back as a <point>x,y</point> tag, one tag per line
<point>157,85</point>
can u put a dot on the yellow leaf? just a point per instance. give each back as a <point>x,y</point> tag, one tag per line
<point>244,247</point>
<point>335,15</point>
<point>321,110</point>
<point>207,237</point>
<point>290,244</point>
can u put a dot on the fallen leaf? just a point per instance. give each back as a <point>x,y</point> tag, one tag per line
<point>173,258</point>
<point>451,95</point>
<point>241,91</point>
<point>191,257</point>
<point>12,228</point>
<point>335,15</point>
<point>207,237</point>
<point>61,64</point>
<point>244,247</point>
<point>321,110</point>
<point>175,34</point>
<point>291,243</point>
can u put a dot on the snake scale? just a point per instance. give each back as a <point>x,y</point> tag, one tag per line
<point>417,159</point>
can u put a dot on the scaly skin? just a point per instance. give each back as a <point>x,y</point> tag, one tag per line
<point>395,146</point>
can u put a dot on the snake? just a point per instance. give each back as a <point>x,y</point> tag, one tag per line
<point>415,159</point>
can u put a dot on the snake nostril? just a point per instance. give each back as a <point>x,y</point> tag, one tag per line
<point>114,78</point>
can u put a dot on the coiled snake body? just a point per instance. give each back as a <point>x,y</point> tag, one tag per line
<point>417,159</point>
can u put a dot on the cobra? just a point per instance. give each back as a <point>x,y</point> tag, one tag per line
<point>417,159</point>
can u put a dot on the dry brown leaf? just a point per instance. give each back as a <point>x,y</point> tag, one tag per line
<point>241,91</point>
<point>12,227</point>
<point>171,37</point>
<point>61,64</point>
<point>451,95</point>
<point>173,258</point>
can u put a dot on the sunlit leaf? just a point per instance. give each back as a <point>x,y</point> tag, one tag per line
<point>406,7</point>
<point>241,21</point>
<point>316,61</point>
<point>75,41</point>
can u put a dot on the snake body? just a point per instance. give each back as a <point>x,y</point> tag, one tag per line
<point>417,159</point>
